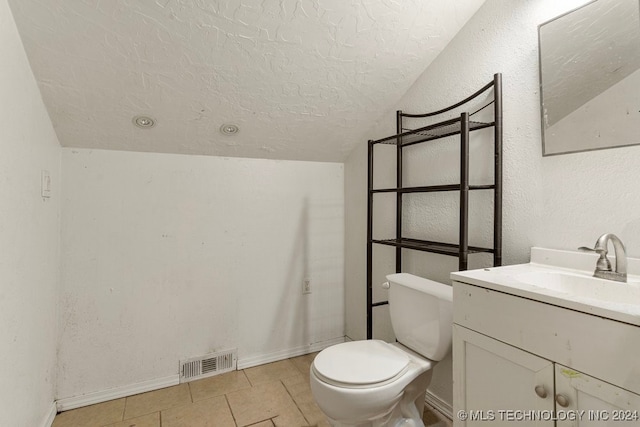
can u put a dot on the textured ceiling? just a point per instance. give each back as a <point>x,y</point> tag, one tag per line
<point>302,79</point>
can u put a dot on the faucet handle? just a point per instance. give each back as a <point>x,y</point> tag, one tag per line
<point>603,263</point>
<point>597,250</point>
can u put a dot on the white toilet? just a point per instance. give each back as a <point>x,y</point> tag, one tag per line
<point>373,383</point>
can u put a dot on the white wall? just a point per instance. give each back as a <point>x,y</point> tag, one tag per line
<point>29,240</point>
<point>165,257</point>
<point>355,242</point>
<point>558,202</point>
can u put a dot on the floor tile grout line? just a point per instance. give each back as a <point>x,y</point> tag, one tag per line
<point>190,393</point>
<point>150,413</point>
<point>244,374</point>
<point>157,410</point>
<point>261,421</point>
<point>124,409</point>
<point>294,402</point>
<point>226,399</point>
<point>247,377</point>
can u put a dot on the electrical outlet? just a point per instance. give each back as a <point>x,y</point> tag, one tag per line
<point>45,186</point>
<point>306,285</point>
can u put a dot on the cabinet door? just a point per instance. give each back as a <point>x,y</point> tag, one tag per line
<point>495,383</point>
<point>592,402</point>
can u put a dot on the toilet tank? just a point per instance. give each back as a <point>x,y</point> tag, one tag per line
<point>421,313</point>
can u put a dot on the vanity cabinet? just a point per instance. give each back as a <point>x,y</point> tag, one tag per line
<point>491,376</point>
<point>596,402</point>
<point>518,362</point>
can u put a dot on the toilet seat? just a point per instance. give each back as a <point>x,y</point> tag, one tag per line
<point>362,399</point>
<point>361,364</point>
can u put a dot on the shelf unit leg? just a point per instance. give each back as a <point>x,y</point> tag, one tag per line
<point>497,174</point>
<point>464,192</point>
<point>399,194</point>
<point>370,242</point>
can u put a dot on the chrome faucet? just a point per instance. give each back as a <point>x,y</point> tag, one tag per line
<point>603,266</point>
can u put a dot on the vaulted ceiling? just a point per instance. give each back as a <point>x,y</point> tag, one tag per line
<point>303,79</point>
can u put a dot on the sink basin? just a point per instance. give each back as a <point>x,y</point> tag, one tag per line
<point>583,286</point>
<point>564,279</point>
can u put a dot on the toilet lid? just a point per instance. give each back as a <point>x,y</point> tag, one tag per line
<point>360,362</point>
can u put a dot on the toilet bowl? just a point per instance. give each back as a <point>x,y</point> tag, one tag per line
<point>362,397</point>
<point>374,383</point>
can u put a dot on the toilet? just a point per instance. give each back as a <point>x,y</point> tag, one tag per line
<point>372,383</point>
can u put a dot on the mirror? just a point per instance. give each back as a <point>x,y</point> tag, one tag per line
<point>590,78</point>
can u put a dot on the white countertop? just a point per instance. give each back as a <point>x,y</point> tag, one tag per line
<point>505,279</point>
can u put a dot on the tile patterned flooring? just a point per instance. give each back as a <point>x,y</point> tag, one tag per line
<point>275,394</point>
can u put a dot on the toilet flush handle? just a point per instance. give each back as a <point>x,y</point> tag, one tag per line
<point>385,285</point>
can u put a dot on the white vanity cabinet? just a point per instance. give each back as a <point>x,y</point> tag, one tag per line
<point>596,401</point>
<point>522,362</point>
<point>490,376</point>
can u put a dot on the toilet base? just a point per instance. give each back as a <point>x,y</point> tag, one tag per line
<point>406,413</point>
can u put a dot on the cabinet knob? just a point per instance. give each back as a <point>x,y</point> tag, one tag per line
<point>562,400</point>
<point>540,391</point>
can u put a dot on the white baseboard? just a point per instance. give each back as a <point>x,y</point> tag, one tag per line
<point>48,419</point>
<point>155,384</point>
<point>437,403</point>
<point>116,393</point>
<point>249,362</point>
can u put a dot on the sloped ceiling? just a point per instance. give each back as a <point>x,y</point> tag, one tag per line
<point>303,79</point>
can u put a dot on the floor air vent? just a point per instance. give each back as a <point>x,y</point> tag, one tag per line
<point>207,366</point>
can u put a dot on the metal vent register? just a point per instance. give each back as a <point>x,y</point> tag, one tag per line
<point>208,365</point>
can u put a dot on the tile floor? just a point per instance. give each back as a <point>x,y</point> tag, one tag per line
<point>275,394</point>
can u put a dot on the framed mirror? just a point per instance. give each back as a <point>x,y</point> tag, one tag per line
<point>590,78</point>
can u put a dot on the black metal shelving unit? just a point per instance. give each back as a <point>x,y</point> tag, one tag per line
<point>403,138</point>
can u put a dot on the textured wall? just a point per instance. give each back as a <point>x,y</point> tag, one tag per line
<point>29,240</point>
<point>166,257</point>
<point>558,202</point>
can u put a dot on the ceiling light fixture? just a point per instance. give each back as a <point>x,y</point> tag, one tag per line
<point>229,129</point>
<point>144,122</point>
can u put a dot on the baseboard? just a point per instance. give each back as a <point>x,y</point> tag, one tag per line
<point>116,393</point>
<point>249,362</point>
<point>48,419</point>
<point>150,385</point>
<point>437,403</point>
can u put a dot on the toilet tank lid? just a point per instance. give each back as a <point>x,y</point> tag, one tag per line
<point>360,362</point>
<point>437,289</point>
